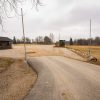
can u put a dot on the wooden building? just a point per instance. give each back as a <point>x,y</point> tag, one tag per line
<point>5,43</point>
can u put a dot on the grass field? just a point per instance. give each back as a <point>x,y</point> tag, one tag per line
<point>16,79</point>
<point>84,50</point>
<point>5,63</point>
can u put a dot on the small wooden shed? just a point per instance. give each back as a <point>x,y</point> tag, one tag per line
<point>5,43</point>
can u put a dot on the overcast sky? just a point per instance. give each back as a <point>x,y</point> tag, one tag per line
<point>70,18</point>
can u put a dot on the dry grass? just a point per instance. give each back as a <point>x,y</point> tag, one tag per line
<point>16,79</point>
<point>5,63</point>
<point>22,44</point>
<point>84,51</point>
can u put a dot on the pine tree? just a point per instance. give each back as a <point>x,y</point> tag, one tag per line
<point>71,41</point>
<point>14,40</point>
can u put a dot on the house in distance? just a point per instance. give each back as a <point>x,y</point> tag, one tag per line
<point>5,43</point>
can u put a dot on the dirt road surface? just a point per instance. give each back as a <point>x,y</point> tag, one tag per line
<point>38,50</point>
<point>61,78</point>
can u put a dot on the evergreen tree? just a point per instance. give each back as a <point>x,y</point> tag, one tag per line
<point>14,40</point>
<point>71,41</point>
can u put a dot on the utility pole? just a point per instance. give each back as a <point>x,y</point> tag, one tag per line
<point>59,36</point>
<point>23,32</point>
<point>90,41</point>
<point>59,39</point>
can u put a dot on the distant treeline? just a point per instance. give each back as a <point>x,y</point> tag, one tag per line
<point>38,40</point>
<point>95,41</point>
<point>50,40</point>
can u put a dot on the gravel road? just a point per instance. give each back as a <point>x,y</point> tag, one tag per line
<point>61,78</point>
<point>38,50</point>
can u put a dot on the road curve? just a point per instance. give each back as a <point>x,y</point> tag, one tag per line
<point>60,78</point>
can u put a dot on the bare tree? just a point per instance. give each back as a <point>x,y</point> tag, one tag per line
<point>47,40</point>
<point>39,40</point>
<point>9,6</point>
<point>51,37</point>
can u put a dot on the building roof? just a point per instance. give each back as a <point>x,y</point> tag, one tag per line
<point>5,39</point>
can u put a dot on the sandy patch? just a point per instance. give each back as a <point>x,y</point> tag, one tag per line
<point>38,50</point>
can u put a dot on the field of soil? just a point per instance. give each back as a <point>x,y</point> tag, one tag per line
<point>32,51</point>
<point>38,50</point>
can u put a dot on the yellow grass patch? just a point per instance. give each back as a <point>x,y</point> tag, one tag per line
<point>95,50</point>
<point>5,63</point>
<point>16,79</point>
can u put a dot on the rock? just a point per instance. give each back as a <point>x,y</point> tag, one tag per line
<point>91,58</point>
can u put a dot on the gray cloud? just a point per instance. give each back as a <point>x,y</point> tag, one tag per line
<point>69,17</point>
